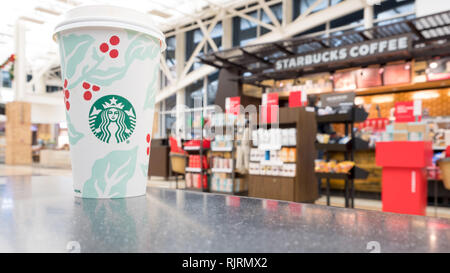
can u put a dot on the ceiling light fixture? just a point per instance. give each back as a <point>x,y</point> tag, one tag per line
<point>160,13</point>
<point>49,11</point>
<point>425,95</point>
<point>359,101</point>
<point>382,99</point>
<point>30,19</point>
<point>70,2</point>
<point>6,34</point>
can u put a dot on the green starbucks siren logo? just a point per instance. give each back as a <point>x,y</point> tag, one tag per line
<point>112,119</point>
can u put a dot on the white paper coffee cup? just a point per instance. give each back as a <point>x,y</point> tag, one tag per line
<point>109,65</point>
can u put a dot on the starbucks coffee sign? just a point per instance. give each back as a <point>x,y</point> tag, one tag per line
<point>373,48</point>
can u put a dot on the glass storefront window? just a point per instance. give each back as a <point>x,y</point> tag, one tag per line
<point>300,6</point>
<point>216,35</point>
<point>213,83</point>
<point>277,11</point>
<point>194,92</point>
<point>392,8</point>
<point>169,121</point>
<point>354,18</point>
<point>6,79</point>
<point>244,30</point>
<point>170,54</point>
<point>170,102</point>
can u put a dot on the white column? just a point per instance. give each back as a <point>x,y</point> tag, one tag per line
<point>20,76</point>
<point>288,7</point>
<point>368,16</point>
<point>40,85</point>
<point>180,58</point>
<point>227,38</point>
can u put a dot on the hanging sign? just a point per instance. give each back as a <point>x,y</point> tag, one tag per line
<point>407,111</point>
<point>372,48</point>
<point>232,105</point>
<point>337,99</point>
<point>269,108</point>
<point>297,99</point>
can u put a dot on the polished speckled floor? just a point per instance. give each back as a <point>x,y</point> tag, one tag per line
<point>159,182</point>
<point>366,204</point>
<point>40,214</point>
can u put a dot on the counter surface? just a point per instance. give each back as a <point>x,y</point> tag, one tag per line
<point>39,214</point>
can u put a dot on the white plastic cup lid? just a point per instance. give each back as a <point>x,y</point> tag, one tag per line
<point>109,16</point>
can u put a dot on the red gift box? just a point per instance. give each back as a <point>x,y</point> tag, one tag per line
<point>194,161</point>
<point>198,179</point>
<point>404,177</point>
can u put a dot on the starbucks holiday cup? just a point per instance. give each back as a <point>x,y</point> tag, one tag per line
<point>109,66</point>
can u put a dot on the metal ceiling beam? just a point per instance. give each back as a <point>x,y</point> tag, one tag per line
<point>256,57</point>
<point>210,63</point>
<point>247,8</point>
<point>302,24</point>
<point>344,8</point>
<point>415,30</point>
<point>229,62</point>
<point>284,49</point>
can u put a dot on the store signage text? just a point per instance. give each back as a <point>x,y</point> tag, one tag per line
<point>269,108</point>
<point>360,50</point>
<point>407,111</point>
<point>232,105</point>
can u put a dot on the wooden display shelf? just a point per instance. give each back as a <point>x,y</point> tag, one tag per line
<point>241,193</point>
<point>357,144</point>
<point>404,87</point>
<point>192,148</point>
<point>193,170</point>
<point>355,173</point>
<point>356,114</point>
<point>222,149</point>
<point>220,170</point>
<point>304,186</point>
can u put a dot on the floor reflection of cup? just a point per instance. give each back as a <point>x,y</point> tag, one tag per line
<point>109,67</point>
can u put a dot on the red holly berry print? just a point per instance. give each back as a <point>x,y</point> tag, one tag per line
<point>148,139</point>
<point>113,41</point>
<point>87,95</point>
<point>66,94</point>
<point>104,47</point>
<point>114,53</point>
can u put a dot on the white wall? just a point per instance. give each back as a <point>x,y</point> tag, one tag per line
<point>425,7</point>
<point>45,113</point>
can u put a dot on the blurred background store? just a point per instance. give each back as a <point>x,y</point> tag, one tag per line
<point>210,58</point>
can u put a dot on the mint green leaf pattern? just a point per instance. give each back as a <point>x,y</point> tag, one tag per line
<point>142,47</point>
<point>75,48</point>
<point>74,135</point>
<point>111,174</point>
<point>151,90</point>
<point>144,168</point>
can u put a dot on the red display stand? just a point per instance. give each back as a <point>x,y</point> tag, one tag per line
<point>404,182</point>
